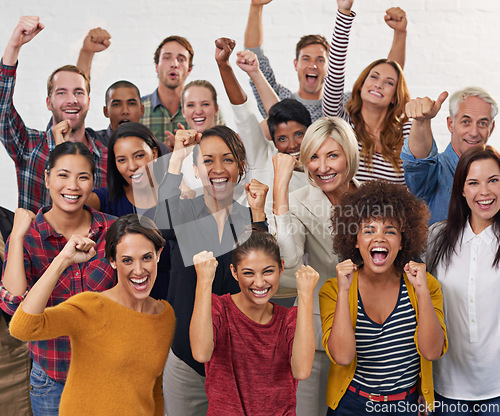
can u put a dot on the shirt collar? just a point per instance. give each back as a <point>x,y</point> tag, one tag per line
<point>451,154</point>
<point>155,103</point>
<point>201,209</point>
<point>47,231</point>
<point>487,236</point>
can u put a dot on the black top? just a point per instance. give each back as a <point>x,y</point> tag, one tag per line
<point>195,230</point>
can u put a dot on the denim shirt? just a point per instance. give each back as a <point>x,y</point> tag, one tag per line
<point>431,178</point>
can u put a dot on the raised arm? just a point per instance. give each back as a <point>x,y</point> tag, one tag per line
<point>395,17</point>
<point>201,333</point>
<point>223,50</point>
<point>97,40</point>
<point>77,250</point>
<point>341,341</point>
<point>14,276</point>
<point>27,28</point>
<point>422,110</point>
<point>431,337</point>
<point>254,32</point>
<point>335,78</point>
<point>304,340</point>
<point>248,62</point>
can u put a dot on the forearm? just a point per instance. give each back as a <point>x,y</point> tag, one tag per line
<point>420,140</point>
<point>430,333</point>
<point>304,340</point>
<point>37,297</point>
<point>342,343</point>
<point>267,95</point>
<point>254,32</point>
<point>233,88</point>
<point>11,54</point>
<point>281,201</point>
<point>84,62</point>
<point>14,275</point>
<point>398,48</point>
<point>201,329</point>
<point>335,78</point>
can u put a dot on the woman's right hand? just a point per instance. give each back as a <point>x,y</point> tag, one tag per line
<point>345,274</point>
<point>78,249</point>
<point>283,164</point>
<point>22,223</point>
<point>205,265</point>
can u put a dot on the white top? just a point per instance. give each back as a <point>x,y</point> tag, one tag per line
<point>260,152</point>
<point>470,369</point>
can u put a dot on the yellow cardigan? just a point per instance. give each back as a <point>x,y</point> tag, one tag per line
<point>339,376</point>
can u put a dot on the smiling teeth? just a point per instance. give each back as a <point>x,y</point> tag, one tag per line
<point>381,249</point>
<point>488,202</point>
<point>136,176</point>
<point>139,281</point>
<point>71,196</point>
<point>220,180</point>
<point>295,154</point>
<point>326,177</point>
<point>199,119</point>
<point>260,292</point>
<point>71,111</point>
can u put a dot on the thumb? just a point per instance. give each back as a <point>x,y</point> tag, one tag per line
<point>441,99</point>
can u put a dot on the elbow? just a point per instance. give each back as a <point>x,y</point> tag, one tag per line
<point>202,356</point>
<point>302,373</point>
<point>343,359</point>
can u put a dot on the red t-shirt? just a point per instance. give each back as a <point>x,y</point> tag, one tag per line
<point>250,370</point>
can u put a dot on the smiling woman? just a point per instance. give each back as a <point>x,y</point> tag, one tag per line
<point>382,316</point>
<point>36,243</point>
<point>464,254</point>
<point>105,327</point>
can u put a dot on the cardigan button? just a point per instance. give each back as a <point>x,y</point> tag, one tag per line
<point>425,391</point>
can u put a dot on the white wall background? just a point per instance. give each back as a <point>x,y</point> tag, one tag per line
<point>451,44</point>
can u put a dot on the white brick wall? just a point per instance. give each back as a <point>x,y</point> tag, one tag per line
<point>451,44</point>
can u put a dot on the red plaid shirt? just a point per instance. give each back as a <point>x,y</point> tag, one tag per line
<point>41,245</point>
<point>29,148</point>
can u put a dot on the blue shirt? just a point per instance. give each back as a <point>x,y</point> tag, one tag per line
<point>431,178</point>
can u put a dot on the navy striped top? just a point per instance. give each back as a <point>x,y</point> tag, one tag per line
<point>386,353</point>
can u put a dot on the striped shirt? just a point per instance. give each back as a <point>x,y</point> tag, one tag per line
<point>334,103</point>
<point>387,357</point>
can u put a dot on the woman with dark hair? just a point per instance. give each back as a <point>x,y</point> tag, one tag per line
<point>34,244</point>
<point>464,255</point>
<point>131,182</point>
<point>120,338</point>
<point>376,107</point>
<point>382,316</point>
<point>212,221</point>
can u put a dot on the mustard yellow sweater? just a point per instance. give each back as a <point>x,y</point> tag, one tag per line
<point>117,357</point>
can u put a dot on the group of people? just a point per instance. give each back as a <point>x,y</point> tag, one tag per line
<point>145,260</point>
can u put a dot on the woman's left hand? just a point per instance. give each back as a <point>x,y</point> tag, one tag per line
<point>256,195</point>
<point>417,275</point>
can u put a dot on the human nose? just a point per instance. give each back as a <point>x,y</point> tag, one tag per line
<point>218,167</point>
<point>473,130</point>
<point>137,268</point>
<point>132,165</point>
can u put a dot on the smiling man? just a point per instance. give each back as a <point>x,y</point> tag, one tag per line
<point>429,175</point>
<point>311,57</point>
<point>67,98</point>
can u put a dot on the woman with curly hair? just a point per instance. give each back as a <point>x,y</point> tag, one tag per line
<point>464,254</point>
<point>376,107</point>
<point>382,316</point>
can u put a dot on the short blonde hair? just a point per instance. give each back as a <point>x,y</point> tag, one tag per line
<point>340,131</point>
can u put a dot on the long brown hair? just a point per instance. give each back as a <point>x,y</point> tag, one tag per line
<point>391,137</point>
<point>443,247</point>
